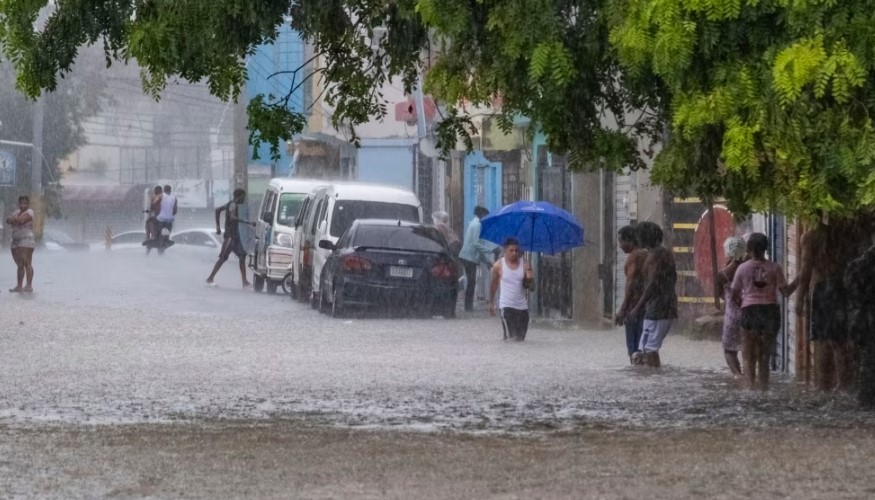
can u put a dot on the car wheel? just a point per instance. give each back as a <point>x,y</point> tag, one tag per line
<point>271,286</point>
<point>257,283</point>
<point>448,311</point>
<point>337,308</point>
<point>289,285</point>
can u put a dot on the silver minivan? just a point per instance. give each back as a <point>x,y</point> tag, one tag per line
<point>274,230</point>
<point>328,212</point>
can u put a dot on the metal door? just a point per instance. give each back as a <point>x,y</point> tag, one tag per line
<point>483,179</point>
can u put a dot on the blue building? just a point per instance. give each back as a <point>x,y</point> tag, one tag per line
<point>265,68</point>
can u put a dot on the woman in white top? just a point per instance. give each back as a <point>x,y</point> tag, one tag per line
<point>23,243</point>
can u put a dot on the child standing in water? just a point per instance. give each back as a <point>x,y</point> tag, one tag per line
<point>734,249</point>
<point>755,288</point>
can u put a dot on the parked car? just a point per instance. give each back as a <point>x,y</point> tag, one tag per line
<point>274,230</point>
<point>123,241</point>
<point>329,212</point>
<point>58,240</point>
<point>402,265</point>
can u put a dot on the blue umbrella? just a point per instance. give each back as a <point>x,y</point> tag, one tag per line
<point>538,226</point>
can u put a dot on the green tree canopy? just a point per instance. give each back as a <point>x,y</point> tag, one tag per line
<point>771,101</point>
<point>548,60</point>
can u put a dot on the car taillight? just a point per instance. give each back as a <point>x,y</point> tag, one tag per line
<point>356,264</point>
<point>444,271</point>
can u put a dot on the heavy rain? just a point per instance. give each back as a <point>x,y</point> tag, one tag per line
<point>308,292</point>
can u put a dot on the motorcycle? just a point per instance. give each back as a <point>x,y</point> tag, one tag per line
<point>157,234</point>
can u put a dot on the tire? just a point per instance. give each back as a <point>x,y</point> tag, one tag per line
<point>257,283</point>
<point>271,286</point>
<point>448,310</point>
<point>337,308</point>
<point>323,302</point>
<point>288,285</point>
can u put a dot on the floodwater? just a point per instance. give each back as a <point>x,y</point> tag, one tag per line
<point>117,349</point>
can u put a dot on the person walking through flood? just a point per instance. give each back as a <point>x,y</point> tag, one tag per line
<point>513,276</point>
<point>658,302</point>
<point>23,244</point>
<point>734,248</point>
<point>755,288</point>
<point>441,221</point>
<point>634,269</point>
<point>473,253</point>
<point>232,243</point>
<point>826,252</point>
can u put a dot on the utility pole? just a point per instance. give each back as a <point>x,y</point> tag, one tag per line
<point>241,146</point>
<point>36,171</point>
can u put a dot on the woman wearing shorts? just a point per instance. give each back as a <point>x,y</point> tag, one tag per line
<point>23,243</point>
<point>755,288</point>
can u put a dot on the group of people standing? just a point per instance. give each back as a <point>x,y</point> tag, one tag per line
<point>835,290</point>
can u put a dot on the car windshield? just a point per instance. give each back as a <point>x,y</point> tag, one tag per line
<point>416,238</point>
<point>347,211</point>
<point>289,207</point>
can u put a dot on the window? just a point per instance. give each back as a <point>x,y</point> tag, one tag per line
<point>416,238</point>
<point>267,206</point>
<point>289,208</point>
<point>305,212</point>
<point>135,237</point>
<point>348,211</point>
<point>315,217</point>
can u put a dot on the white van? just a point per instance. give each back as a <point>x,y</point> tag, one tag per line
<point>274,230</point>
<point>328,213</point>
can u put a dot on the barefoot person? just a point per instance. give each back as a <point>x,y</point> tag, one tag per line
<point>734,248</point>
<point>513,275</point>
<point>634,268</point>
<point>23,243</point>
<point>233,243</point>
<point>659,301</point>
<point>755,288</point>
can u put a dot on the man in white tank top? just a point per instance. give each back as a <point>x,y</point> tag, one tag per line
<point>513,275</point>
<point>167,211</point>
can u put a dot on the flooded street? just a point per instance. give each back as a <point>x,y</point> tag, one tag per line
<point>256,395</point>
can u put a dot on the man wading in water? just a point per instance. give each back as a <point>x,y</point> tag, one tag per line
<point>635,257</point>
<point>514,276</point>
<point>659,301</point>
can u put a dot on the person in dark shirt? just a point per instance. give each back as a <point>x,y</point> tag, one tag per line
<point>232,243</point>
<point>659,301</point>
<point>634,269</point>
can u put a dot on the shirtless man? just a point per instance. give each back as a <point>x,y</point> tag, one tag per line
<point>233,243</point>
<point>659,301</point>
<point>635,257</point>
<point>826,252</point>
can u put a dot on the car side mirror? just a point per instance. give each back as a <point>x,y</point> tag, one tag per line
<point>326,245</point>
<point>268,217</point>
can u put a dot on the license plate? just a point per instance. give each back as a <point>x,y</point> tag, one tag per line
<point>401,272</point>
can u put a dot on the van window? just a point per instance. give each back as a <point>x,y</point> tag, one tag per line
<point>347,211</point>
<point>289,208</point>
<point>267,206</point>
<point>314,219</point>
<point>305,212</point>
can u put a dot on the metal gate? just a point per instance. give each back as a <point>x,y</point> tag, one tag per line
<point>554,271</point>
<point>777,235</point>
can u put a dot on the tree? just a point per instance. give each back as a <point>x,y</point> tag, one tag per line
<point>75,98</point>
<point>777,95</point>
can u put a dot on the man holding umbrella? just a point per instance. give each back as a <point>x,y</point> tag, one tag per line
<point>514,276</point>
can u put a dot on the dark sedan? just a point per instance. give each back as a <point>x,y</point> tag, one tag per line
<point>401,265</point>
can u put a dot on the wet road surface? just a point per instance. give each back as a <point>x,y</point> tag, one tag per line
<point>120,346</point>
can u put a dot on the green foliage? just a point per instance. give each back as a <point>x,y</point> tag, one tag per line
<point>770,99</point>
<point>548,60</point>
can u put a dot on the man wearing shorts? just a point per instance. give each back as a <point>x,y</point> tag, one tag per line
<point>233,243</point>
<point>513,275</point>
<point>659,301</point>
